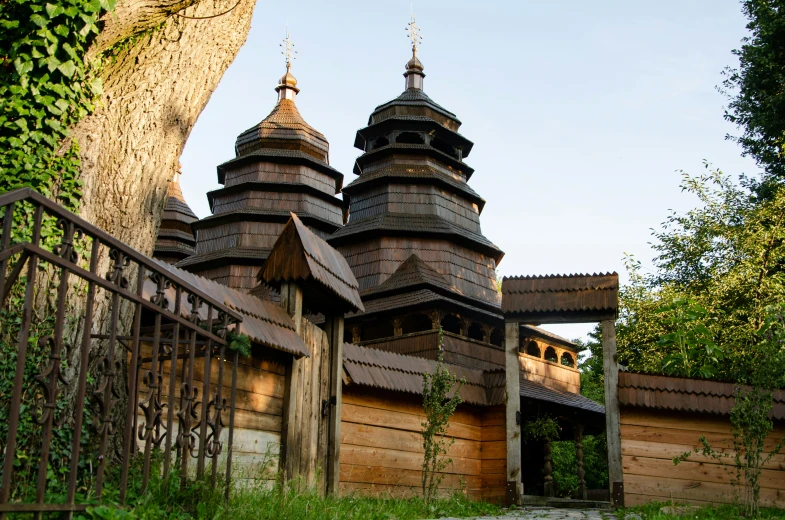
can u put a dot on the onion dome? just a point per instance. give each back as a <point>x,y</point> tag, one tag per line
<point>281,167</point>
<point>175,240</point>
<point>284,128</point>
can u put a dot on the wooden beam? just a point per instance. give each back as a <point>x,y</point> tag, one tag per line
<point>334,330</point>
<point>612,426</point>
<point>513,435</point>
<point>292,303</point>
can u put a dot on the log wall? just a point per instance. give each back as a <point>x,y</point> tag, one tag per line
<point>382,454</point>
<point>651,439</point>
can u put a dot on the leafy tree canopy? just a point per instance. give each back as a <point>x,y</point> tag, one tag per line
<point>755,87</point>
<point>726,259</point>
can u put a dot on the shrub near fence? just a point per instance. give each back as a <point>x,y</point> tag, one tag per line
<point>79,397</point>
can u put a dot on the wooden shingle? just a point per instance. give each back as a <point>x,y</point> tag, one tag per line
<point>300,255</point>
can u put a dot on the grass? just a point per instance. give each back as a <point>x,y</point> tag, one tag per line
<point>167,500</point>
<point>652,511</point>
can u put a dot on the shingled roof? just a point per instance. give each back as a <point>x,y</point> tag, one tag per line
<point>386,370</point>
<point>408,300</point>
<point>397,372</point>
<point>300,255</point>
<point>561,298</point>
<point>412,98</point>
<point>684,395</point>
<point>413,272</point>
<point>264,322</point>
<point>175,239</point>
<point>539,392</point>
<point>405,223</point>
<point>284,123</point>
<point>413,172</point>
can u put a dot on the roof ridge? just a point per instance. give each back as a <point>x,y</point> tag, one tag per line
<point>550,276</point>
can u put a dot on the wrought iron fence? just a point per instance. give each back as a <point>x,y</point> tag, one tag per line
<point>114,371</point>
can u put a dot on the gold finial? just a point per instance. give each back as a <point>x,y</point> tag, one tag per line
<point>414,34</point>
<point>288,50</point>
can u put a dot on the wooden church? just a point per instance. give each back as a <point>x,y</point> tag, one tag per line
<point>377,285</point>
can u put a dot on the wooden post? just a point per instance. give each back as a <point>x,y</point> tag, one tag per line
<point>292,302</point>
<point>579,457</point>
<point>547,469</point>
<point>356,337</point>
<point>397,327</point>
<point>612,427</point>
<point>334,329</point>
<point>513,419</point>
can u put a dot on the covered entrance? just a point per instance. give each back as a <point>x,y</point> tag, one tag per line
<point>537,387</point>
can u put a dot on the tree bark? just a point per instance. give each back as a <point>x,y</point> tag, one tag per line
<point>160,67</point>
<point>155,87</point>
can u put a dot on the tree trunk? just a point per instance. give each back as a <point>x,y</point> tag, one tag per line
<point>155,87</point>
<point>160,66</point>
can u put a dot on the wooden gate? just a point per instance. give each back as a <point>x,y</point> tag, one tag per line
<point>308,431</point>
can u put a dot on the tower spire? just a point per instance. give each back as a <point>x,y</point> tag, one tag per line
<point>414,70</point>
<point>287,85</point>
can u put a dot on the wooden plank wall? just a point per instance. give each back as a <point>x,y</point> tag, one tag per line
<point>651,439</point>
<point>552,375</point>
<point>382,454</point>
<point>493,454</point>
<point>257,434</point>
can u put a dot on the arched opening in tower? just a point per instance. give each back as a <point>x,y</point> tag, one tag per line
<point>415,323</point>
<point>451,323</point>
<point>532,349</point>
<point>409,138</point>
<point>476,332</point>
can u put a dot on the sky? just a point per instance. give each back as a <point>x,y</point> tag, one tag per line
<point>582,113</point>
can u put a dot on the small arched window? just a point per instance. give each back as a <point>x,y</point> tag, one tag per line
<point>451,323</point>
<point>415,323</point>
<point>532,349</point>
<point>476,332</point>
<point>551,355</point>
<point>409,138</point>
<point>567,359</point>
<point>497,337</point>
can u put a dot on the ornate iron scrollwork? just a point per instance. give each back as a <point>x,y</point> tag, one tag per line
<point>196,303</point>
<point>51,386</point>
<point>186,440</point>
<point>120,263</point>
<point>65,249</point>
<point>162,284</point>
<point>152,409</point>
<point>105,402</point>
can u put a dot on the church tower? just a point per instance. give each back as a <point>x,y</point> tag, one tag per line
<point>413,238</point>
<point>175,240</point>
<point>281,166</point>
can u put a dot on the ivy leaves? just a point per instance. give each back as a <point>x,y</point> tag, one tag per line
<point>45,88</point>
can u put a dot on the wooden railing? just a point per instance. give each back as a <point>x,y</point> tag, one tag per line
<point>77,401</point>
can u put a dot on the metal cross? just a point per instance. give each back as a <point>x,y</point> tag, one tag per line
<point>288,50</point>
<point>414,33</point>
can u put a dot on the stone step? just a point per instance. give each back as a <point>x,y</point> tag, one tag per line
<point>565,503</point>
